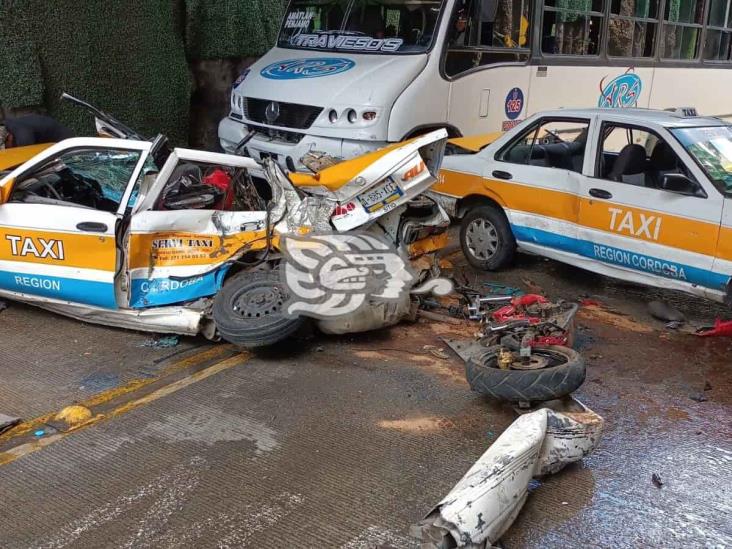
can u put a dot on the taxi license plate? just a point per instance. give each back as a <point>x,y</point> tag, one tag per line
<point>375,199</point>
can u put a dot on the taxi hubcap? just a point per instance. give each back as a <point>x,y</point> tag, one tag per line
<point>482,239</point>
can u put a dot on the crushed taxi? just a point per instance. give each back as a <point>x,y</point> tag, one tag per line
<point>128,232</point>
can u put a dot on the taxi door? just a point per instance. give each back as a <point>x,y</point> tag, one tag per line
<point>538,176</point>
<point>635,228</point>
<point>59,215</point>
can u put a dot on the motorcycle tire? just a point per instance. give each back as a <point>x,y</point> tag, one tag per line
<point>249,310</point>
<point>563,375</point>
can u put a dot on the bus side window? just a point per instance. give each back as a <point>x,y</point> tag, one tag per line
<point>572,28</point>
<point>484,32</point>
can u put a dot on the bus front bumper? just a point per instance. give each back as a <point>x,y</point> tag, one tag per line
<point>231,132</point>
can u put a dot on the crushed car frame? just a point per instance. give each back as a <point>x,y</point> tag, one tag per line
<point>127,232</point>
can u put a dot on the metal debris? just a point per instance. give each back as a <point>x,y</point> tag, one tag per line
<point>8,422</point>
<point>162,342</point>
<point>485,502</point>
<point>657,481</point>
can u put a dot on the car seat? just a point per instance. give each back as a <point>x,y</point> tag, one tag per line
<point>630,166</point>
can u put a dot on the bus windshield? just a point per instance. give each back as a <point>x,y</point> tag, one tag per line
<point>361,26</point>
<point>711,147</point>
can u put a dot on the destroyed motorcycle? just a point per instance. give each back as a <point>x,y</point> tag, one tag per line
<point>129,232</point>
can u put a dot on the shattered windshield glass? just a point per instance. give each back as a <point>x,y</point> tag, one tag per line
<point>363,26</point>
<point>711,147</point>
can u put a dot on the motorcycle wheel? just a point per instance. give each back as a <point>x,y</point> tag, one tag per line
<point>555,372</point>
<point>249,310</point>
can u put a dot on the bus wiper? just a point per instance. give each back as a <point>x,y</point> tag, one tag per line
<point>346,32</point>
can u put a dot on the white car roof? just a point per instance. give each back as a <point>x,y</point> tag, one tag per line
<point>667,119</point>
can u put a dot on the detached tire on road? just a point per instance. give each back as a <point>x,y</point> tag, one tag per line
<point>249,310</point>
<point>564,374</point>
<point>486,238</point>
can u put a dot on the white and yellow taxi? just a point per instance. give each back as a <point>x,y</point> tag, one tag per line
<point>636,194</point>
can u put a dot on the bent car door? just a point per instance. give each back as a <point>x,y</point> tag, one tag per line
<point>638,227</point>
<point>188,227</point>
<point>58,218</point>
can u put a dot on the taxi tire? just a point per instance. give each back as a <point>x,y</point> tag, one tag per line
<point>550,383</point>
<point>253,331</point>
<point>506,242</point>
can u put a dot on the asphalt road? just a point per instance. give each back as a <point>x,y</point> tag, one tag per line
<point>346,442</point>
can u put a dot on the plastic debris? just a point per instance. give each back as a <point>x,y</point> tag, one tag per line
<point>664,311</point>
<point>74,415</point>
<point>486,501</point>
<point>162,342</point>
<point>720,328</point>
<point>8,422</point>
<point>39,432</point>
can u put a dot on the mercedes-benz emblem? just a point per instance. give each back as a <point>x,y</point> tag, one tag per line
<point>272,112</point>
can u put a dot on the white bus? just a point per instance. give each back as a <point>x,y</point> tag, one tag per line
<point>348,76</point>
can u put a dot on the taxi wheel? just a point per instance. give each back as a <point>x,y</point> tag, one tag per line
<point>249,310</point>
<point>486,238</point>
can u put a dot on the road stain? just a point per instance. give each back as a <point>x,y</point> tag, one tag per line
<point>427,424</point>
<point>22,450</point>
<point>614,319</point>
<point>209,426</point>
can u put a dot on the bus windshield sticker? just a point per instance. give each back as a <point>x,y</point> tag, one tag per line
<point>346,42</point>
<point>293,69</point>
<point>299,19</point>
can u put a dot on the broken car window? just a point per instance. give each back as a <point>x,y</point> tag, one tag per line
<point>550,144</point>
<point>95,178</point>
<point>202,186</point>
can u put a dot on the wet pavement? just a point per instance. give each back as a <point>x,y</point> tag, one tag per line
<point>346,442</point>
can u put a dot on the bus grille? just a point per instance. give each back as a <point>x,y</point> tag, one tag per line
<point>291,115</point>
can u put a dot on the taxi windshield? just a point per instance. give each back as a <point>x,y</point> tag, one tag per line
<point>711,147</point>
<point>361,26</point>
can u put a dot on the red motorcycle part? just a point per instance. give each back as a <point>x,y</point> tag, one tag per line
<point>221,180</point>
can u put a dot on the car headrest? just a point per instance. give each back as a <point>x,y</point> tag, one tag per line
<point>663,157</point>
<point>631,160</point>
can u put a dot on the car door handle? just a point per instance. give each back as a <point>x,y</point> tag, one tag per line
<point>601,193</point>
<point>92,227</point>
<point>499,174</point>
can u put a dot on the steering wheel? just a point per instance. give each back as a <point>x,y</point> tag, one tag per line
<point>554,135</point>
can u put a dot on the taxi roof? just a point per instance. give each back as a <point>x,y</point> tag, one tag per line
<point>669,119</point>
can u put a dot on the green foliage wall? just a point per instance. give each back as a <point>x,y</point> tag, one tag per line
<point>125,56</point>
<point>217,29</point>
<point>128,57</point>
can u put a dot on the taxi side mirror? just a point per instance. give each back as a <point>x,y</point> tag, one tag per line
<point>678,183</point>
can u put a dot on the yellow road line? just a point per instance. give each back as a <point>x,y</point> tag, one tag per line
<point>115,392</point>
<point>30,447</point>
